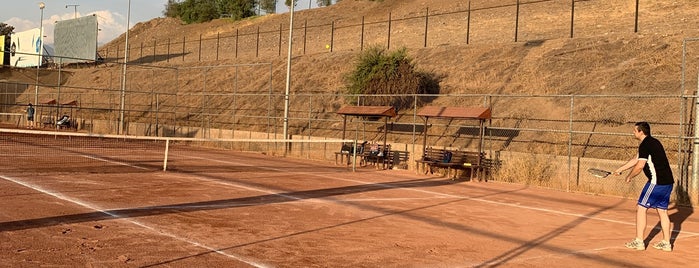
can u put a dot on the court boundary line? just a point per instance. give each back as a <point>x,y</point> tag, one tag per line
<point>411,189</point>
<point>487,263</point>
<point>135,222</point>
<point>551,211</point>
<point>581,252</point>
<point>113,162</point>
<point>445,195</point>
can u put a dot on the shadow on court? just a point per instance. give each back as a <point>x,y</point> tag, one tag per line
<point>214,205</point>
<point>676,220</point>
<point>499,260</point>
<point>539,243</point>
<point>292,196</point>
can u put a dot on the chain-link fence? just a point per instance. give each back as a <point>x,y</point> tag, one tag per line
<point>546,140</point>
<point>463,22</point>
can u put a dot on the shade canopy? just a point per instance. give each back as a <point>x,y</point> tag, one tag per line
<point>383,111</point>
<point>70,103</point>
<point>480,113</point>
<point>48,102</point>
<point>460,113</point>
<point>372,111</point>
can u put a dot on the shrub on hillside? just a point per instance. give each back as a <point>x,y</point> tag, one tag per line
<point>389,78</point>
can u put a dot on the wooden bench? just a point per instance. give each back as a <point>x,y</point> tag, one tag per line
<point>434,158</point>
<point>71,123</point>
<point>383,157</point>
<point>346,152</point>
<point>489,165</point>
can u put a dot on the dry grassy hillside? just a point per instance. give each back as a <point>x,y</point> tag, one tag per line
<point>605,57</point>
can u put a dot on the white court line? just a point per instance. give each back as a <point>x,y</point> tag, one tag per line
<point>577,252</point>
<point>551,211</point>
<point>117,216</point>
<point>112,162</point>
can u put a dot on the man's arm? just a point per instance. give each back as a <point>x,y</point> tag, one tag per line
<point>636,170</point>
<point>631,163</point>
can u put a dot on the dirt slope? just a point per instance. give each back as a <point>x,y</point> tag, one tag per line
<point>612,61</point>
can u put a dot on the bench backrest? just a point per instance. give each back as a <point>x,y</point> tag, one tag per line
<point>437,155</point>
<point>465,157</point>
<point>361,147</point>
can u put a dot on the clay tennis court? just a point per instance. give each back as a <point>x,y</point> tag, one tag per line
<point>219,208</point>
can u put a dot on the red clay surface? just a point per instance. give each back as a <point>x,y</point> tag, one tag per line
<point>226,209</point>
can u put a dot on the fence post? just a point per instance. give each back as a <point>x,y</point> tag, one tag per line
<point>279,49</point>
<point>155,44</point>
<point>332,35</point>
<point>468,23</point>
<point>427,18</point>
<point>257,45</point>
<point>184,40</point>
<point>199,47</point>
<point>517,21</point>
<point>218,43</point>
<point>694,185</point>
<point>236,43</point>
<point>305,33</point>
<point>572,17</point>
<point>635,26</point>
<point>168,50</point>
<point>388,45</point>
<point>570,143</point>
<point>361,45</point>
<point>140,60</point>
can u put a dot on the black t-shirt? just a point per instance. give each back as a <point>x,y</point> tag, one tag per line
<point>657,167</point>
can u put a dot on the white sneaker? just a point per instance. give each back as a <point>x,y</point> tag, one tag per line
<point>636,244</point>
<point>663,245</point>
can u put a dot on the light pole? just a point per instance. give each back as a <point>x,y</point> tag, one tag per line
<point>288,78</point>
<point>123,81</point>
<point>75,10</point>
<point>40,48</point>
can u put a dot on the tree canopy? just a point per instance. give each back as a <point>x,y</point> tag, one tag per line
<point>6,29</point>
<point>192,11</point>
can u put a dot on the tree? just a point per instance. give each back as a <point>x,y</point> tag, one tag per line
<point>238,9</point>
<point>288,2</point>
<point>193,11</point>
<point>324,3</point>
<point>6,29</point>
<point>269,6</point>
<point>388,78</point>
<point>172,9</point>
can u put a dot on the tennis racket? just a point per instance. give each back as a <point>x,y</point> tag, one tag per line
<point>599,173</point>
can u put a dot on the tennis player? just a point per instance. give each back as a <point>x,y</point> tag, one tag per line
<point>652,160</point>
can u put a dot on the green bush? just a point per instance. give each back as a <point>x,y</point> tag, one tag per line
<point>194,11</point>
<point>389,78</point>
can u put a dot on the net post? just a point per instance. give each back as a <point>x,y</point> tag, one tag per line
<point>167,149</point>
<point>354,156</point>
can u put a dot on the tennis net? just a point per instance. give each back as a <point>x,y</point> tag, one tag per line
<point>36,151</point>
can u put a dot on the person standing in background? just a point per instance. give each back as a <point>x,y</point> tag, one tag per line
<point>30,116</point>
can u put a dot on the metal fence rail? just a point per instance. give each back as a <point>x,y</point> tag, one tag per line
<point>466,23</point>
<point>549,147</point>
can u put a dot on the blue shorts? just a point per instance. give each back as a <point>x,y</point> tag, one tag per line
<point>655,196</point>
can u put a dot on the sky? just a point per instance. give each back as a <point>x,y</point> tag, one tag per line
<point>111,14</point>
